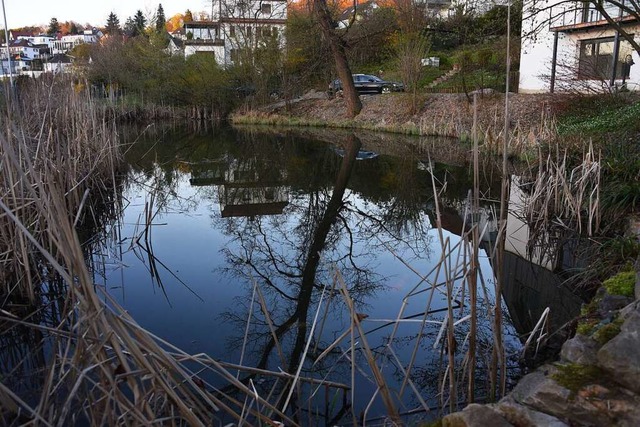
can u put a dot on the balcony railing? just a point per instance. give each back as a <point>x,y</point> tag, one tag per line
<point>578,15</point>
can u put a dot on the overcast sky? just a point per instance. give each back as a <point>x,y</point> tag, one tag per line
<point>21,13</point>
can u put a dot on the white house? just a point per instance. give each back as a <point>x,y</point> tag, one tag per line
<point>68,42</point>
<point>59,63</point>
<point>236,25</point>
<point>569,46</point>
<point>25,49</point>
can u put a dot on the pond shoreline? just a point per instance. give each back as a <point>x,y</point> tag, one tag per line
<point>450,115</point>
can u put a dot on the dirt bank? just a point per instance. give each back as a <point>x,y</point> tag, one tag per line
<point>440,114</point>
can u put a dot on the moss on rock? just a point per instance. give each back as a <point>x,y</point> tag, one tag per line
<point>621,284</point>
<point>573,376</point>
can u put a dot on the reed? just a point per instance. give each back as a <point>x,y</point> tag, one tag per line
<point>96,365</point>
<point>92,363</point>
<point>51,133</point>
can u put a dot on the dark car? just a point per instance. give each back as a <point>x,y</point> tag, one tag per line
<point>366,83</point>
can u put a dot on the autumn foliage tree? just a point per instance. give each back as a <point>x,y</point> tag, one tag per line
<point>175,22</point>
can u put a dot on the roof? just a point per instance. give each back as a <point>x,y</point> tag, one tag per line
<point>363,8</point>
<point>177,41</point>
<point>21,43</point>
<point>21,33</point>
<point>201,24</point>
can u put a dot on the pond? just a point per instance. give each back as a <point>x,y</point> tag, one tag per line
<point>315,254</point>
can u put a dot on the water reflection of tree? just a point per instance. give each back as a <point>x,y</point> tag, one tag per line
<point>290,262</point>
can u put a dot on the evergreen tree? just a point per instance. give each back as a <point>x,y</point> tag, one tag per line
<point>73,28</point>
<point>113,25</point>
<point>140,23</point>
<point>188,16</point>
<point>130,27</point>
<point>160,19</point>
<point>54,27</point>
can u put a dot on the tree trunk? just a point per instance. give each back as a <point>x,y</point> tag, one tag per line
<point>336,44</point>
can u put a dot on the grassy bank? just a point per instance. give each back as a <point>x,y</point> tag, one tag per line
<point>450,115</point>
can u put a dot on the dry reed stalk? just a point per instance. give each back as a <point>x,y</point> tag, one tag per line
<point>102,367</point>
<point>561,198</point>
<point>383,388</point>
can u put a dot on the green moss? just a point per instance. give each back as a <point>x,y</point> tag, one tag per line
<point>621,284</point>
<point>607,332</point>
<point>587,326</point>
<point>574,376</point>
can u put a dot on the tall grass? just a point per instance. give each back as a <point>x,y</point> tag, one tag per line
<point>89,362</point>
<point>84,358</point>
<point>51,133</point>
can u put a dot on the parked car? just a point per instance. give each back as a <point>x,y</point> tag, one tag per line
<point>366,83</point>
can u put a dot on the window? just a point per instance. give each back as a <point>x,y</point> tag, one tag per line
<point>232,31</point>
<point>597,59</point>
<point>265,8</point>
<point>233,54</point>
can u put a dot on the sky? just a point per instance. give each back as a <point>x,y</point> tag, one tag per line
<point>21,13</point>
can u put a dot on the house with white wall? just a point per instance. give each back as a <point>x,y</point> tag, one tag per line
<point>570,46</point>
<point>69,41</point>
<point>236,26</point>
<point>23,48</point>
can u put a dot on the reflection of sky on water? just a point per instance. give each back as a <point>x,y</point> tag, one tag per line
<point>192,240</point>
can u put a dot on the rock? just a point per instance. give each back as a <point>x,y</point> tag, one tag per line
<point>581,350</point>
<point>628,310</point>
<point>520,415</point>
<point>611,303</point>
<point>631,322</point>
<point>540,392</point>
<point>620,357</point>
<point>475,415</point>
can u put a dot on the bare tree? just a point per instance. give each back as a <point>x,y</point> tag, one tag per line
<point>336,43</point>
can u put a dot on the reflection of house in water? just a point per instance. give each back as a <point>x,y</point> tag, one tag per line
<point>531,280</point>
<point>246,187</point>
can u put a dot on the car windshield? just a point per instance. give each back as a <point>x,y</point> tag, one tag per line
<point>366,78</point>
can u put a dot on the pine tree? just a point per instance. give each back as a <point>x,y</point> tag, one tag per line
<point>54,27</point>
<point>113,25</point>
<point>188,16</point>
<point>130,27</point>
<point>160,20</point>
<point>73,28</point>
<point>140,23</point>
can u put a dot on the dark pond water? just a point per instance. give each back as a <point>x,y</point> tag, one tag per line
<point>230,237</point>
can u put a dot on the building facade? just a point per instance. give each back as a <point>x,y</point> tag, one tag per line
<point>570,46</point>
<point>237,26</point>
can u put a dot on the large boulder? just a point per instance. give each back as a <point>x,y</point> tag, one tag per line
<point>475,415</point>
<point>620,357</point>
<point>541,392</point>
<point>520,415</point>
